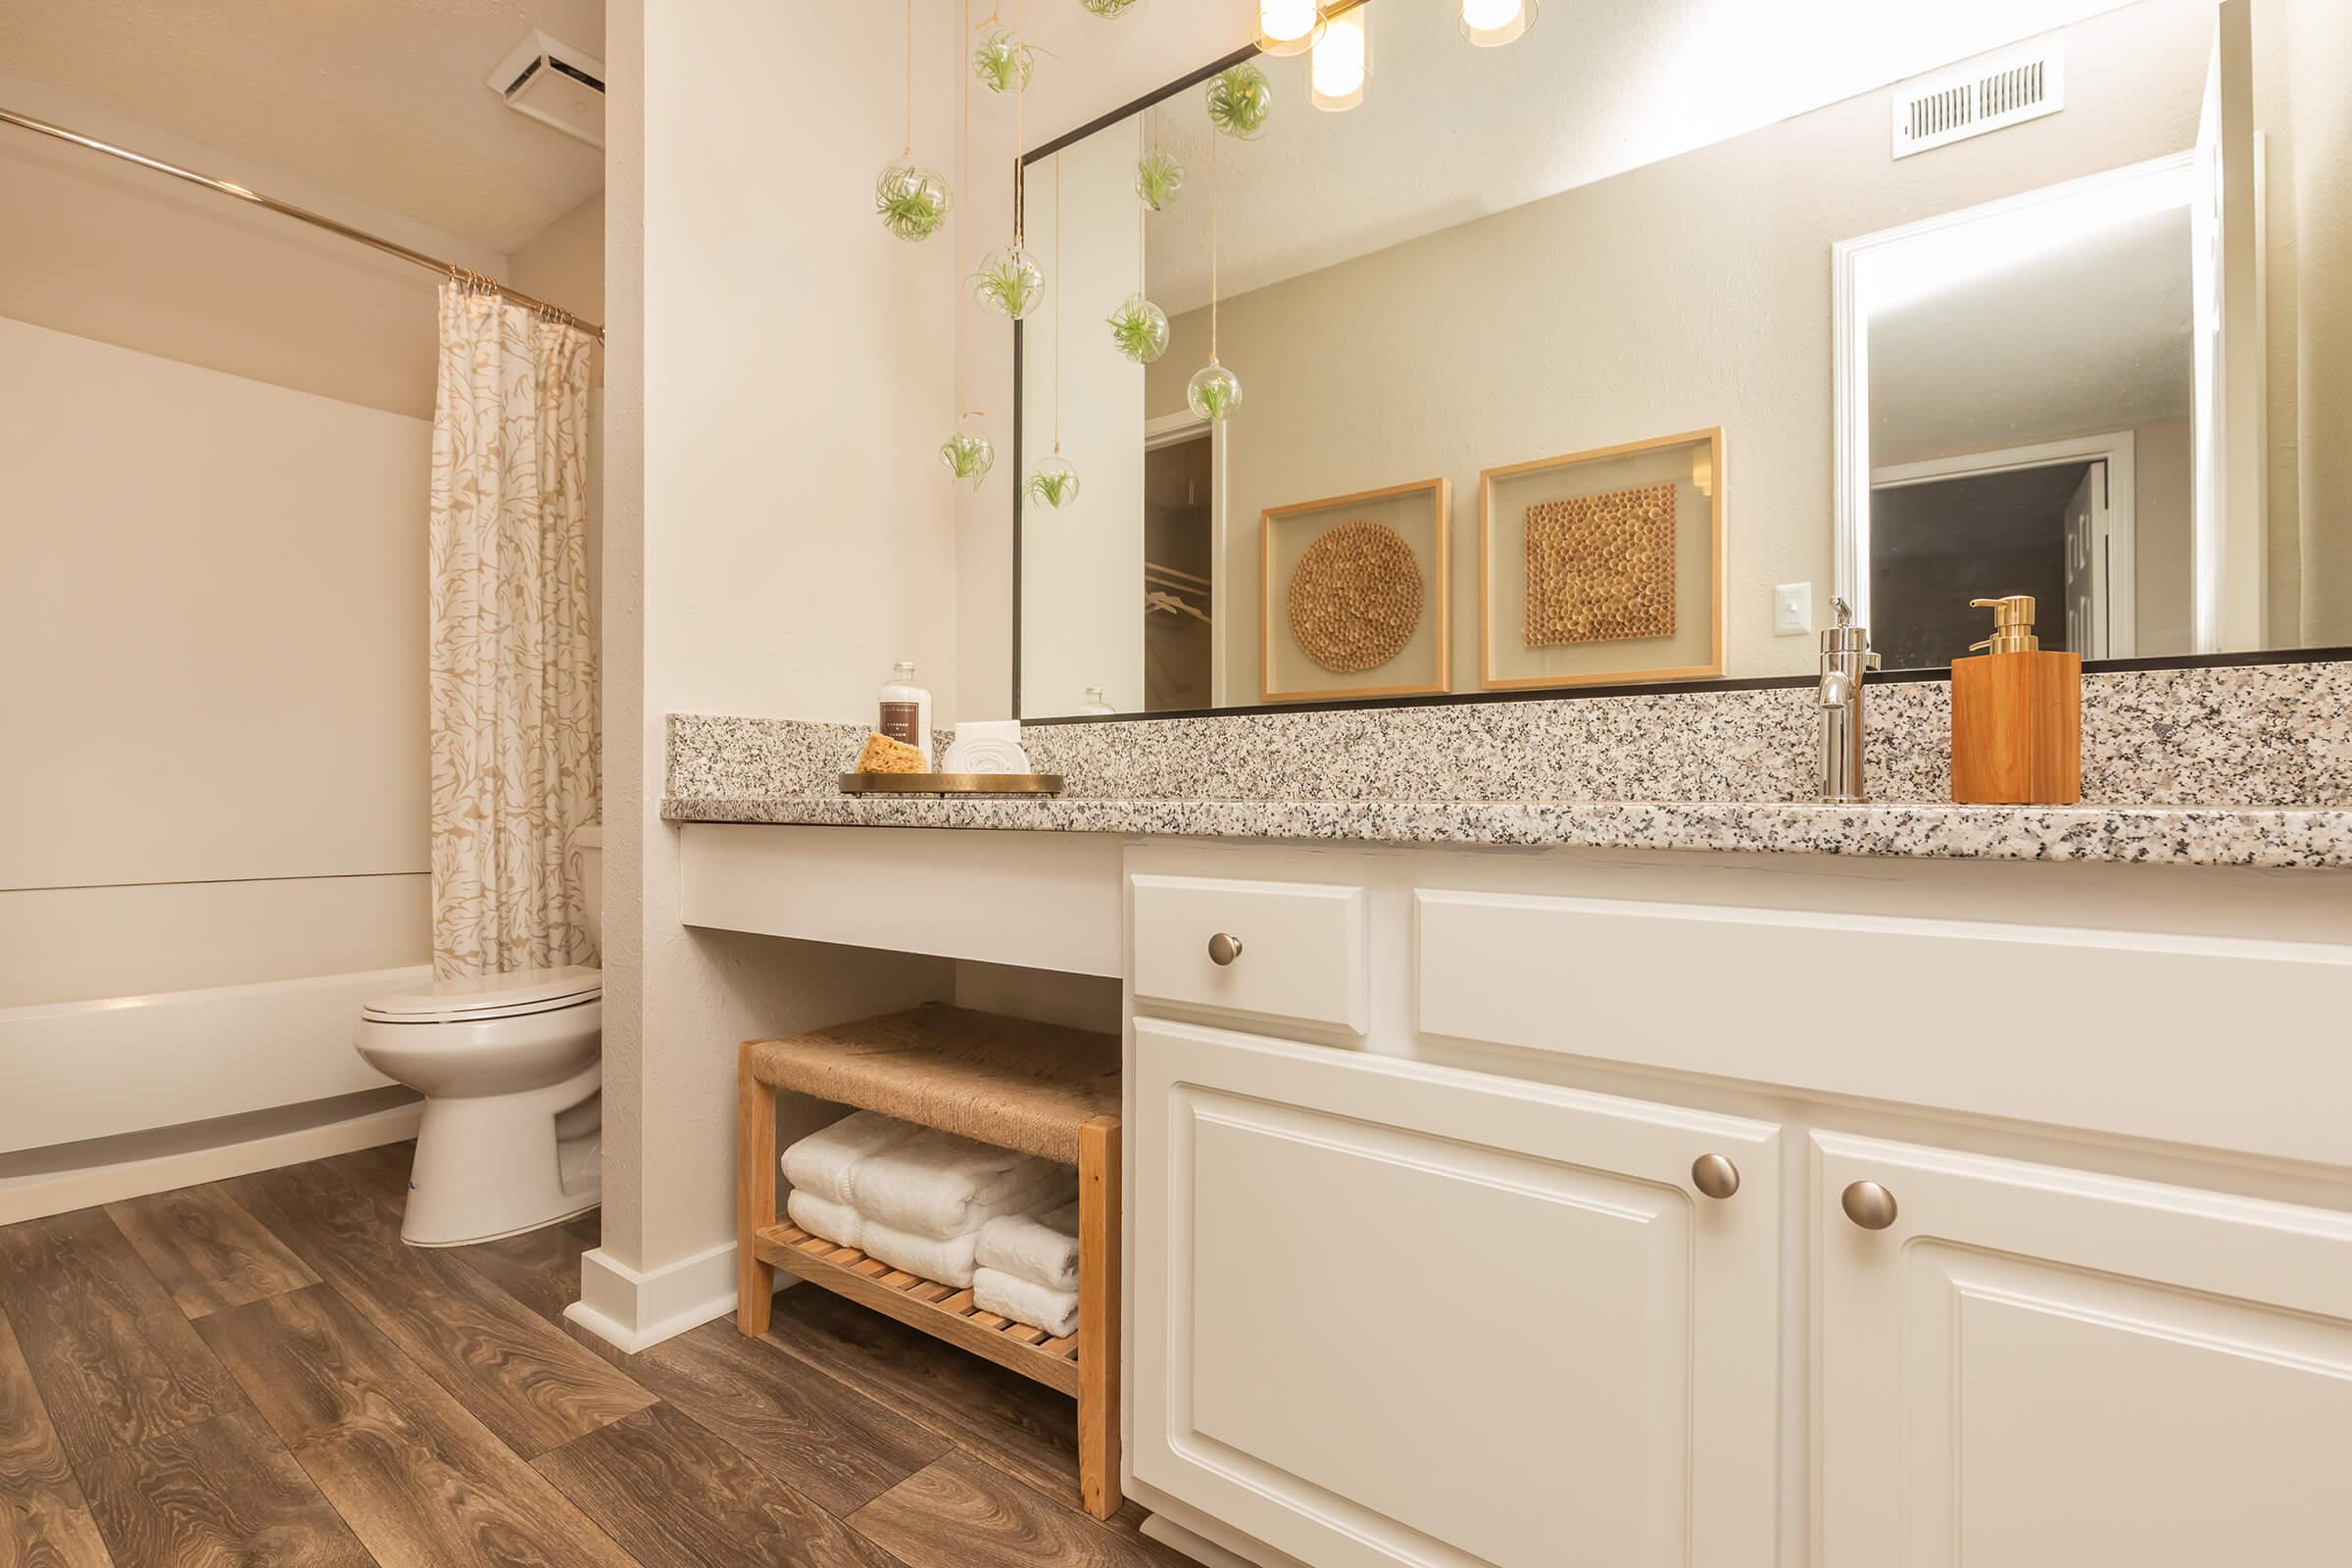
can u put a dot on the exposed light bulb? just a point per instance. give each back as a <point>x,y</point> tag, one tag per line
<point>1343,61</point>
<point>1289,26</point>
<point>1491,24</point>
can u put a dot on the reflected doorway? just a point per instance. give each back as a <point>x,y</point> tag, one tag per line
<point>1178,563</point>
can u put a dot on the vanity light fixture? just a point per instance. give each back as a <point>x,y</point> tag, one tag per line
<point>1491,24</point>
<point>1289,26</point>
<point>1341,67</point>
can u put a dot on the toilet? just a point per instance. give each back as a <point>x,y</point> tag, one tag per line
<point>511,1068</point>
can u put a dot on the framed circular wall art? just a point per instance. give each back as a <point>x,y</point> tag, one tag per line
<point>1353,594</point>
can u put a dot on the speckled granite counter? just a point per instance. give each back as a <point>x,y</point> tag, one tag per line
<point>2155,835</point>
<point>1719,770</point>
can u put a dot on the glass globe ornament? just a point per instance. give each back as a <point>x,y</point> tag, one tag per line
<point>913,200</point>
<point>1009,282</point>
<point>1139,329</point>
<point>968,454</point>
<point>1108,8</point>
<point>1003,63</point>
<point>1159,176</point>
<point>1054,483</point>
<point>1241,100</point>
<point>1213,391</point>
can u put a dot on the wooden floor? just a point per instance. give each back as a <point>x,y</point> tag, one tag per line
<point>260,1372</point>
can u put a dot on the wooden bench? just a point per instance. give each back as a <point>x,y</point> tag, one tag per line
<point>1035,1088</point>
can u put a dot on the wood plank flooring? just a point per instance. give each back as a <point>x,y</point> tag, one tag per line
<point>260,1372</point>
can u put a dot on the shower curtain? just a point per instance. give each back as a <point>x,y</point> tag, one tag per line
<point>512,679</point>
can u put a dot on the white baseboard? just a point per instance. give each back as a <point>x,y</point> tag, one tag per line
<point>639,1310</point>
<point>1204,1540</point>
<point>35,1197</point>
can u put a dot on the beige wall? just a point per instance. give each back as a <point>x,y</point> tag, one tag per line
<point>2320,178</point>
<point>778,374</point>
<point>1700,297</point>
<point>214,618</point>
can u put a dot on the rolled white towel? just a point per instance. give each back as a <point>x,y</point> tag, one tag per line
<point>825,1161</point>
<point>821,1216</point>
<point>1026,1302</point>
<point>949,1261</point>
<point>1039,1247</point>
<point>938,1185</point>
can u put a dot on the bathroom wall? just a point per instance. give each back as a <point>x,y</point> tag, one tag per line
<point>777,375</point>
<point>1726,322</point>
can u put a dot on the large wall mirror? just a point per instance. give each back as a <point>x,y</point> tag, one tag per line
<point>1616,352</point>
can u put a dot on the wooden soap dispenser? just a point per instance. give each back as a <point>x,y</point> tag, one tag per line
<point>2017,716</point>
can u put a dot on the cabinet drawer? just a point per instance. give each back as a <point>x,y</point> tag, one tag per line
<point>2057,1367</point>
<point>1387,1313</point>
<point>1302,947</point>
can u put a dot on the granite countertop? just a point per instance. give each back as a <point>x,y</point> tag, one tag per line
<point>2273,836</point>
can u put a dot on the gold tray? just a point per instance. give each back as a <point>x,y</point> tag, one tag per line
<point>950,783</point>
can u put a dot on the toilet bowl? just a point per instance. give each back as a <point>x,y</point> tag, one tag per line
<point>511,1068</point>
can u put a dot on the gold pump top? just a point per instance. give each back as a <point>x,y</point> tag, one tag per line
<point>2012,625</point>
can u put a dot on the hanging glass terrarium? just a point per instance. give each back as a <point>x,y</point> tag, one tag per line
<point>1159,176</point>
<point>1241,100</point>
<point>1054,483</point>
<point>1003,62</point>
<point>1010,281</point>
<point>1108,8</point>
<point>1213,391</point>
<point>968,454</point>
<point>1139,329</point>
<point>913,200</point>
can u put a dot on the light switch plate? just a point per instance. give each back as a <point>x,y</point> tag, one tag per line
<point>1792,610</point>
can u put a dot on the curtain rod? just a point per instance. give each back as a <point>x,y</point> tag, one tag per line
<point>226,187</point>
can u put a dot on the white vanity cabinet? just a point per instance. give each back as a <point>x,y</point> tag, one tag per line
<point>2035,1367</point>
<point>1385,1313</point>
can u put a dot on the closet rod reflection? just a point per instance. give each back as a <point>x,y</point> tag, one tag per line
<point>226,187</point>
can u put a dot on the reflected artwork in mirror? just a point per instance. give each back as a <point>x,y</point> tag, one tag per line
<point>1686,316</point>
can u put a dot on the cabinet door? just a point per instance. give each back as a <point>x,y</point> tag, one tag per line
<point>1392,1313</point>
<point>2034,1367</point>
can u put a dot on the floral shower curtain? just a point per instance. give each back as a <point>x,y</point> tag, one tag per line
<point>513,692</point>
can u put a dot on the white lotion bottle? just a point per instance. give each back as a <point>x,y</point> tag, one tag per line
<point>906,710</point>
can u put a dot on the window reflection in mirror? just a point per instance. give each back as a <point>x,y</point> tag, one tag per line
<point>2064,355</point>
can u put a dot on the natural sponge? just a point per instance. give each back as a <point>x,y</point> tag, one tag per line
<point>882,754</point>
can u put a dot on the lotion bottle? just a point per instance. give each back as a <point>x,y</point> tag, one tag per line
<point>2017,716</point>
<point>906,714</point>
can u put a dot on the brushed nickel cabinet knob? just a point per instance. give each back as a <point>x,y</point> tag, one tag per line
<point>1223,950</point>
<point>1715,1176</point>
<point>1869,1205</point>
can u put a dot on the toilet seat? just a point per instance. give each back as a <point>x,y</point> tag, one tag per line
<point>476,998</point>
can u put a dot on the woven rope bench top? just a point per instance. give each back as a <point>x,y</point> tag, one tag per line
<point>1002,1081</point>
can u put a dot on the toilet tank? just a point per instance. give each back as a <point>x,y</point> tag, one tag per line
<point>588,843</point>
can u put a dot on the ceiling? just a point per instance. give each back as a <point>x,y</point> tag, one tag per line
<point>2089,336</point>
<point>1448,132</point>
<point>384,100</point>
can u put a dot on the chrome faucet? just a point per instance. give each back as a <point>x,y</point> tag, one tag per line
<point>1845,656</point>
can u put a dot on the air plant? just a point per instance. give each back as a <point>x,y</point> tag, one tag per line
<point>1106,8</point>
<point>969,455</point>
<point>1159,176</point>
<point>1010,281</point>
<point>913,200</point>
<point>1054,483</point>
<point>1214,392</point>
<point>1139,329</point>
<point>1240,101</point>
<point>1003,63</point>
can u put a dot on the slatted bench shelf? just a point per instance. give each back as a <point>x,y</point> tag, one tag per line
<point>1037,1088</point>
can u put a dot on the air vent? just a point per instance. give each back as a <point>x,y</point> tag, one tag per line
<point>1981,95</point>
<point>555,84</point>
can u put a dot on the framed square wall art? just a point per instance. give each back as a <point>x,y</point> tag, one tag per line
<point>1352,598</point>
<point>1602,566</point>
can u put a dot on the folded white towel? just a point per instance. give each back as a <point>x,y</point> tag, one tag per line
<point>949,1261</point>
<point>938,1185</point>
<point>821,1216</point>
<point>1039,1247</point>
<point>1026,1302</point>
<point>825,1161</point>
